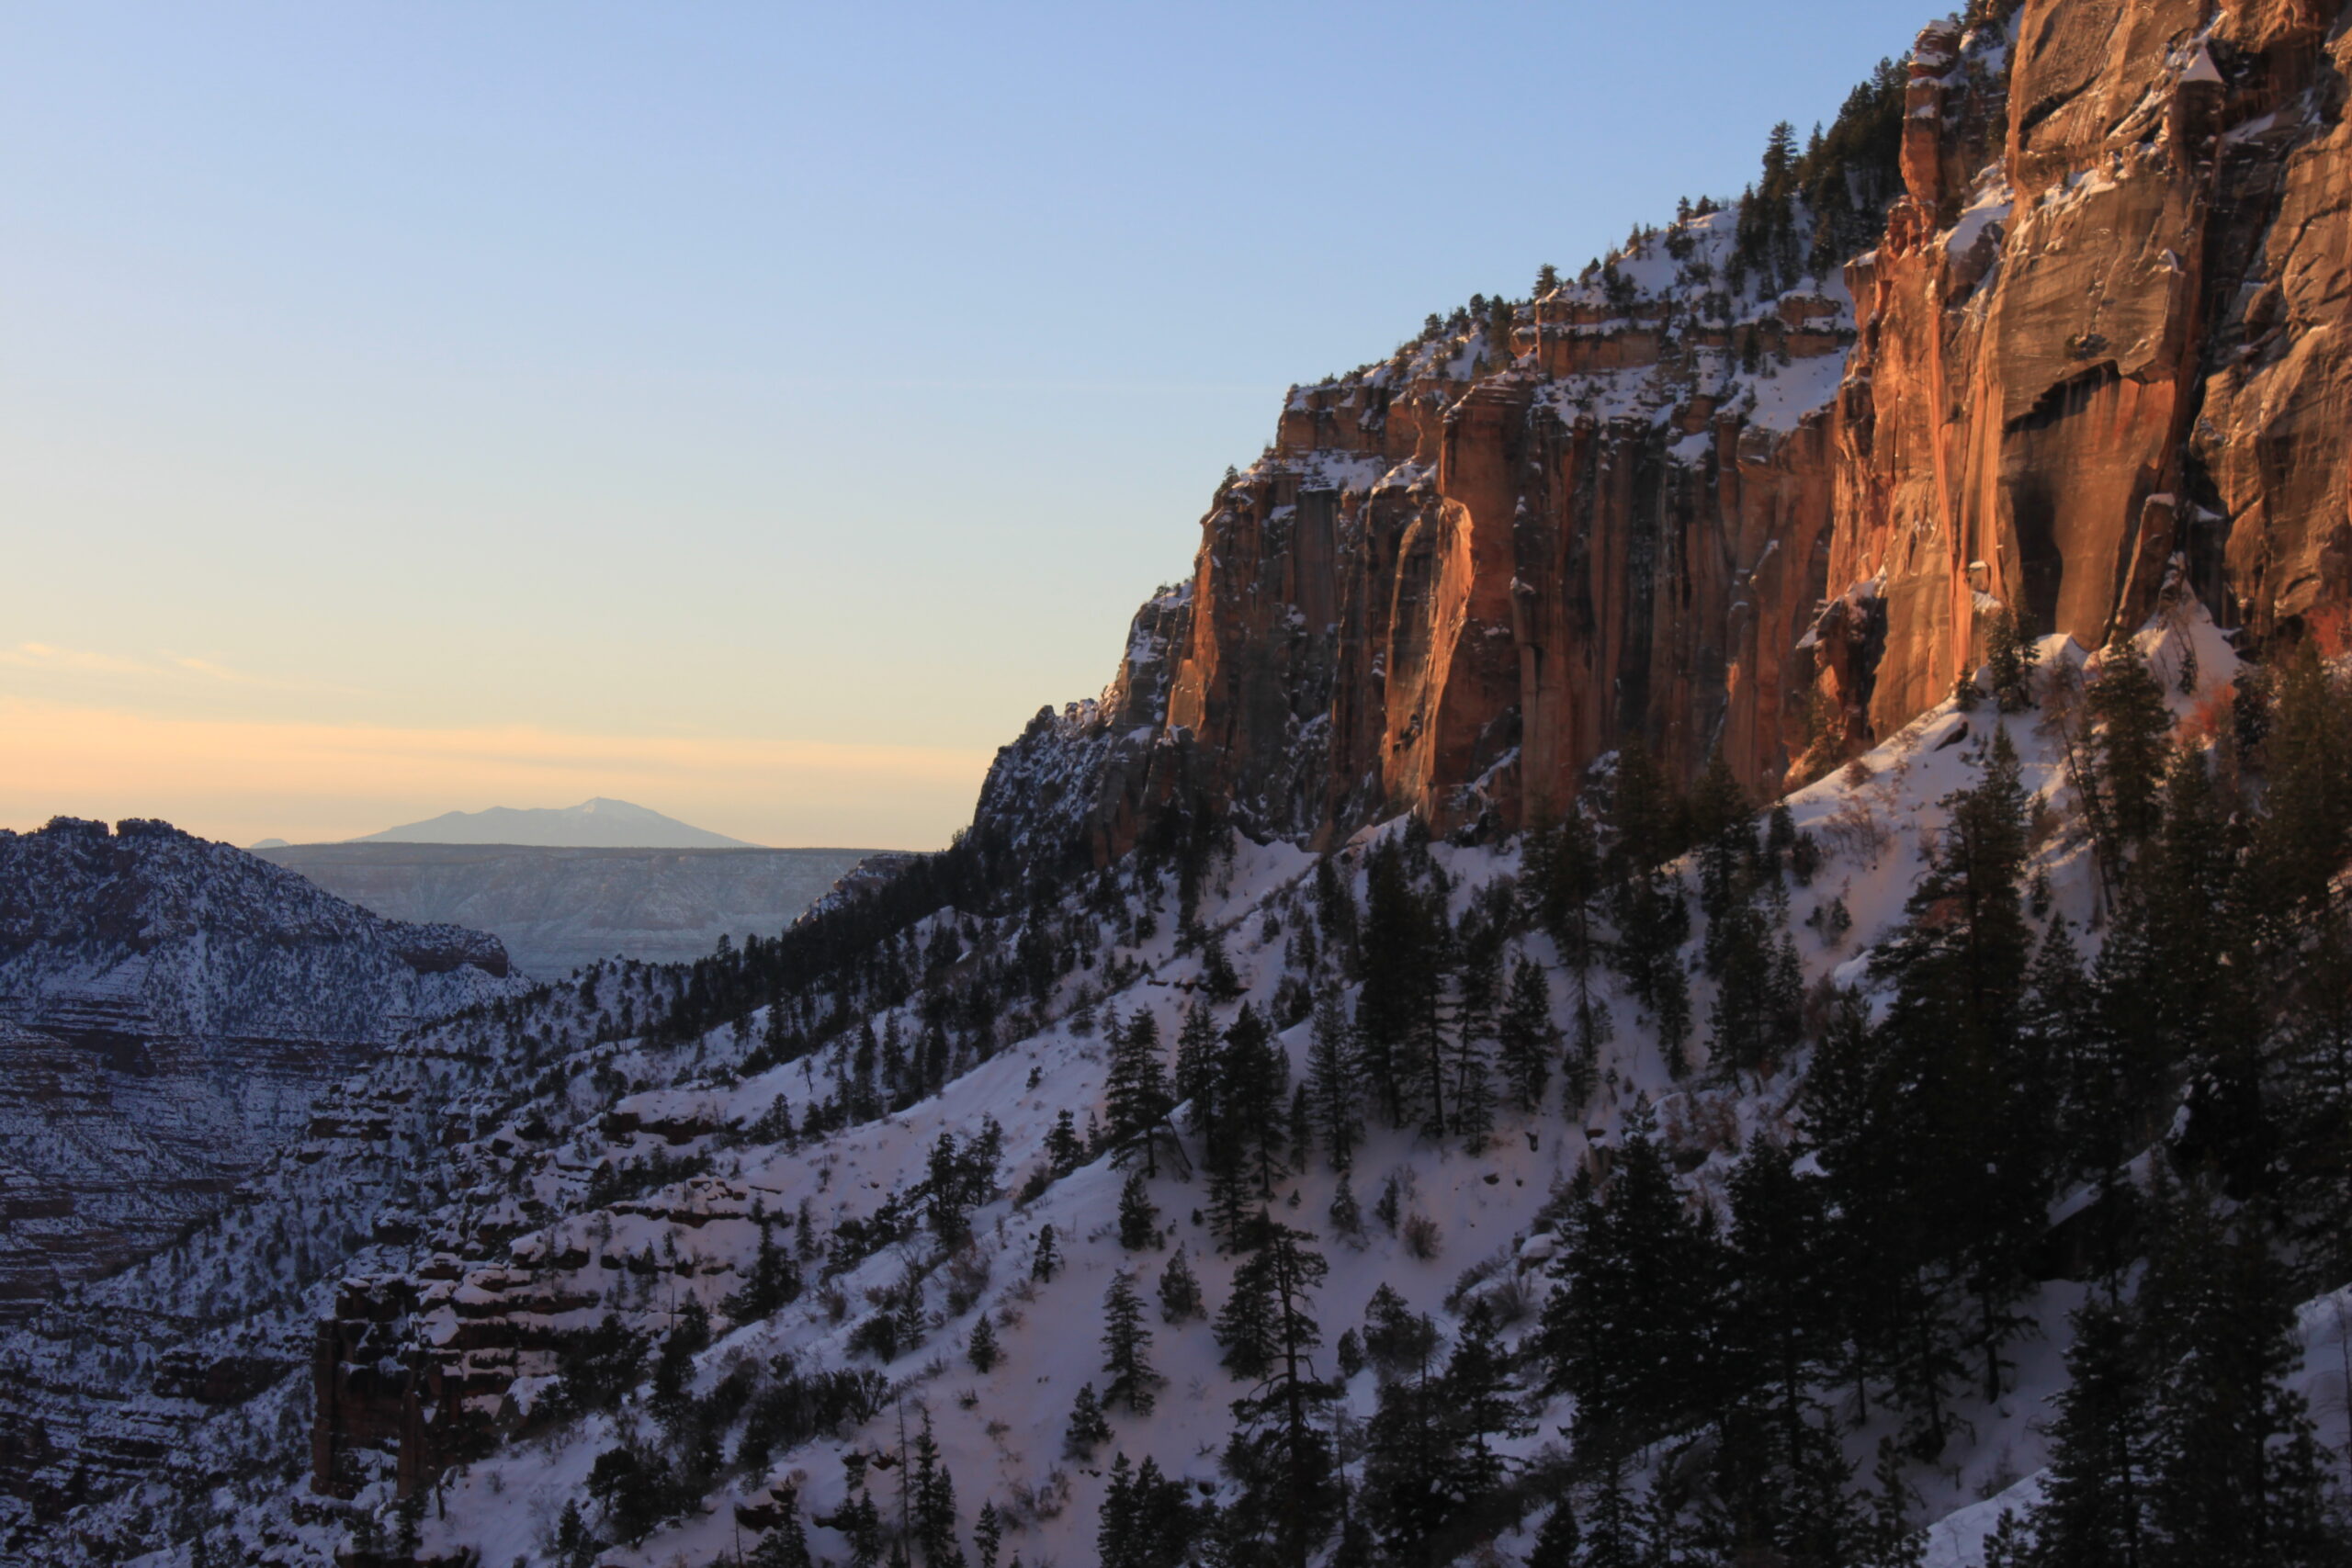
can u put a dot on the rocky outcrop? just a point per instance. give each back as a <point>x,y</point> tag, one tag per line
<point>2102,349</point>
<point>169,1010</point>
<point>554,909</point>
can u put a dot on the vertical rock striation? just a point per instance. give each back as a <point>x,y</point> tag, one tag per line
<point>2100,354</point>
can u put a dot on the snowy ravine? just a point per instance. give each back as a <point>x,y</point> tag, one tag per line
<point>499,1220</point>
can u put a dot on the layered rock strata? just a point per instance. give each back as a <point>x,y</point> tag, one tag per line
<point>169,1010</point>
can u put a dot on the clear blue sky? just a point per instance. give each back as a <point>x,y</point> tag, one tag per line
<point>756,411</point>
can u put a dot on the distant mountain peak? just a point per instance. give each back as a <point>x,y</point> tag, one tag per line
<point>597,823</point>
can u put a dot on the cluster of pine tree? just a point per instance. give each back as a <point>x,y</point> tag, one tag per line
<point>1813,210</point>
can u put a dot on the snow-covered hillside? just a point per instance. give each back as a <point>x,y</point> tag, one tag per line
<point>583,1175</point>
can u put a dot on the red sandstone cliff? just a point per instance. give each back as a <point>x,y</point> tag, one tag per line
<point>2103,347</point>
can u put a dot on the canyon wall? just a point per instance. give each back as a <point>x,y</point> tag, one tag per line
<point>2099,358</point>
<point>169,1010</point>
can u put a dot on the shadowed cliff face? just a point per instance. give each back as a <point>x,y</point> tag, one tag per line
<point>2100,355</point>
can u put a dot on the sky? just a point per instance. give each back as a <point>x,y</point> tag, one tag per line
<point>753,411</point>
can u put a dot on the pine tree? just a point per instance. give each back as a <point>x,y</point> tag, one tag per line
<point>1179,1291</point>
<point>1647,830</point>
<point>1136,1093</point>
<point>2094,1507</point>
<point>1245,1325</point>
<point>1628,1332</point>
<point>1527,1038</point>
<point>1146,1521</point>
<point>1483,1403</point>
<point>982,1348</point>
<point>774,1285</point>
<point>987,1535</point>
<point>1408,1494</point>
<point>1279,1452</point>
<point>1780,1478</point>
<point>2236,1472</point>
<point>2010,658</point>
<point>1889,1541</point>
<point>1087,1430</point>
<point>1116,1537</point>
<point>1065,1151</point>
<point>1968,1110</point>
<point>1126,1348</point>
<point>2135,739</point>
<point>858,1520</point>
<point>785,1545</point>
<point>1197,1047</point>
<point>934,1499</point>
<point>1047,1260</point>
<point>1139,1216</point>
<point>1557,1543</point>
<point>1405,937</point>
<point>1334,1082</point>
<point>1218,981</point>
<point>1253,1084</point>
<point>1562,886</point>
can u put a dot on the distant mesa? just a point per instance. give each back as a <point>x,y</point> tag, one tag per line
<point>592,824</point>
<point>266,844</point>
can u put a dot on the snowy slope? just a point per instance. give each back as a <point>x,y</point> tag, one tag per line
<point>517,1244</point>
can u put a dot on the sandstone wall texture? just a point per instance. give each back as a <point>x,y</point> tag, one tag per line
<point>2100,355</point>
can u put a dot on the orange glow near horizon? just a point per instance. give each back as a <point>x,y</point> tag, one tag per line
<point>240,780</point>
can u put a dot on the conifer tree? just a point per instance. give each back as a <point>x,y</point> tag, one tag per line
<point>1557,1541</point>
<point>934,1499</point>
<point>2126,755</point>
<point>2010,659</point>
<point>1047,1260</point>
<point>2093,1506</point>
<point>2236,1473</point>
<point>857,1519</point>
<point>1628,1332</point>
<point>1526,1038</point>
<point>1563,883</point>
<point>1139,1216</point>
<point>1218,981</point>
<point>1197,1049</point>
<point>1179,1291</point>
<point>1333,1082</point>
<point>1253,1083</point>
<point>1888,1538</point>
<point>1967,1108</point>
<point>785,1545</point>
<point>1648,830</point>
<point>1065,1150</point>
<point>774,1285</point>
<point>1126,1348</point>
<point>1405,937</point>
<point>982,1348</point>
<point>1136,1092</point>
<point>1279,1452</point>
<point>1245,1325</point>
<point>1116,1543</point>
<point>987,1535</point>
<point>1087,1430</point>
